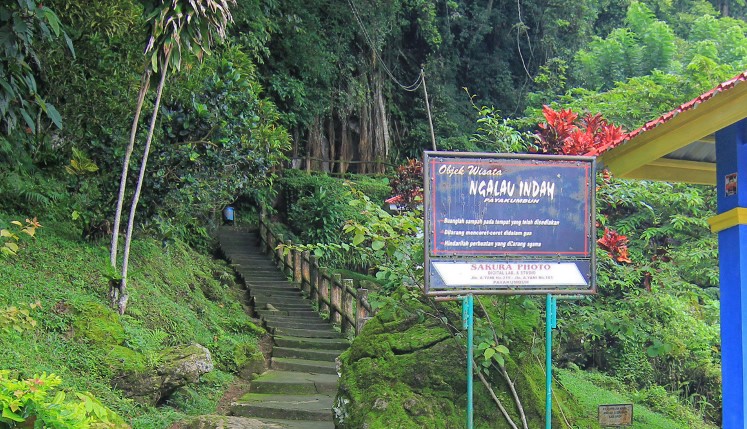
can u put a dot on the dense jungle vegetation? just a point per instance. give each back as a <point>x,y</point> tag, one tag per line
<point>218,108</point>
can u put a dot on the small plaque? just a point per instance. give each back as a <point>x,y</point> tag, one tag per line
<point>730,184</point>
<point>616,415</point>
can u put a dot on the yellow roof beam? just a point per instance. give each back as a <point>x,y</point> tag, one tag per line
<point>691,125</point>
<point>675,170</point>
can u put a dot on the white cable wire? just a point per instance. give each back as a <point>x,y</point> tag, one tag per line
<point>412,87</point>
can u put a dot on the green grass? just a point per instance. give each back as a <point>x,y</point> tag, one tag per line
<point>591,390</point>
<point>177,296</point>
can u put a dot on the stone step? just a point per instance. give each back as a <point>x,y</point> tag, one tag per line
<point>262,312</point>
<point>338,344</point>
<point>296,299</point>
<point>277,292</point>
<point>311,317</point>
<point>317,325</point>
<point>303,365</point>
<point>310,354</point>
<point>301,307</point>
<point>293,323</point>
<point>253,277</point>
<point>289,407</point>
<point>298,424</point>
<point>307,333</point>
<point>275,284</point>
<point>294,383</point>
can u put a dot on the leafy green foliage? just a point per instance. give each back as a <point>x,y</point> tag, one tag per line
<point>30,401</point>
<point>178,297</point>
<point>18,319</point>
<point>184,25</point>
<point>223,140</point>
<point>20,24</point>
<point>9,237</point>
<point>646,44</point>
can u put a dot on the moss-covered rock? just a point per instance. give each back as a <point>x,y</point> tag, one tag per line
<point>407,370</point>
<point>177,367</point>
<point>125,360</point>
<point>249,360</point>
<point>98,324</point>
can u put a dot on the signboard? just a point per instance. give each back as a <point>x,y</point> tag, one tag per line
<point>513,223</point>
<point>615,415</point>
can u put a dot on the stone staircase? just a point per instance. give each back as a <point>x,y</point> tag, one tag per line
<point>299,389</point>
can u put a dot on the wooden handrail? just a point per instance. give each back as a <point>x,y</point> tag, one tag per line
<point>347,305</point>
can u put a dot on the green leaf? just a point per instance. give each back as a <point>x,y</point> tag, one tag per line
<point>501,349</point>
<point>377,245</point>
<point>12,416</point>
<point>28,120</point>
<point>489,353</point>
<point>358,239</point>
<point>54,115</point>
<point>499,358</point>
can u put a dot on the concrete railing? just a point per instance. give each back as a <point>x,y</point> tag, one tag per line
<point>346,305</point>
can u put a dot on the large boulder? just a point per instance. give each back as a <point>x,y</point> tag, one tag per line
<point>407,370</point>
<point>401,371</point>
<point>176,367</point>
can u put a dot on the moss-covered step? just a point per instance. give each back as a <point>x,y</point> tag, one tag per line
<point>302,424</point>
<point>290,407</point>
<point>310,353</point>
<point>337,344</point>
<point>294,383</point>
<point>303,365</point>
<point>290,313</point>
<point>307,333</point>
<point>298,324</point>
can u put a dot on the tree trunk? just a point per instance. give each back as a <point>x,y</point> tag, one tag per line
<point>316,145</point>
<point>144,86</point>
<point>364,144</point>
<point>123,296</point>
<point>345,149</point>
<point>332,135</point>
<point>382,144</point>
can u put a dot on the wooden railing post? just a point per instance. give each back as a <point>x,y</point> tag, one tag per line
<point>361,312</point>
<point>288,260</point>
<point>347,306</point>
<point>276,254</point>
<point>336,307</point>
<point>297,274</point>
<point>323,290</point>
<point>314,279</point>
<point>306,275</point>
<point>262,231</point>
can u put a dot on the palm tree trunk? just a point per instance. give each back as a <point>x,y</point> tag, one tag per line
<point>123,296</point>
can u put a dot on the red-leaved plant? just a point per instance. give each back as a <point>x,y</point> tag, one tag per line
<point>565,134</point>
<point>616,244</point>
<point>408,185</point>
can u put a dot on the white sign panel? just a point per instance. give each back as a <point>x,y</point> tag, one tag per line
<point>521,273</point>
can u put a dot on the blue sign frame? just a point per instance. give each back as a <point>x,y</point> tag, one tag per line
<point>509,224</point>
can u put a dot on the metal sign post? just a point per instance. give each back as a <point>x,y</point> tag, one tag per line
<point>551,322</point>
<point>468,313</point>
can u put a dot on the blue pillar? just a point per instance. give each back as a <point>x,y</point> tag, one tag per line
<point>731,153</point>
